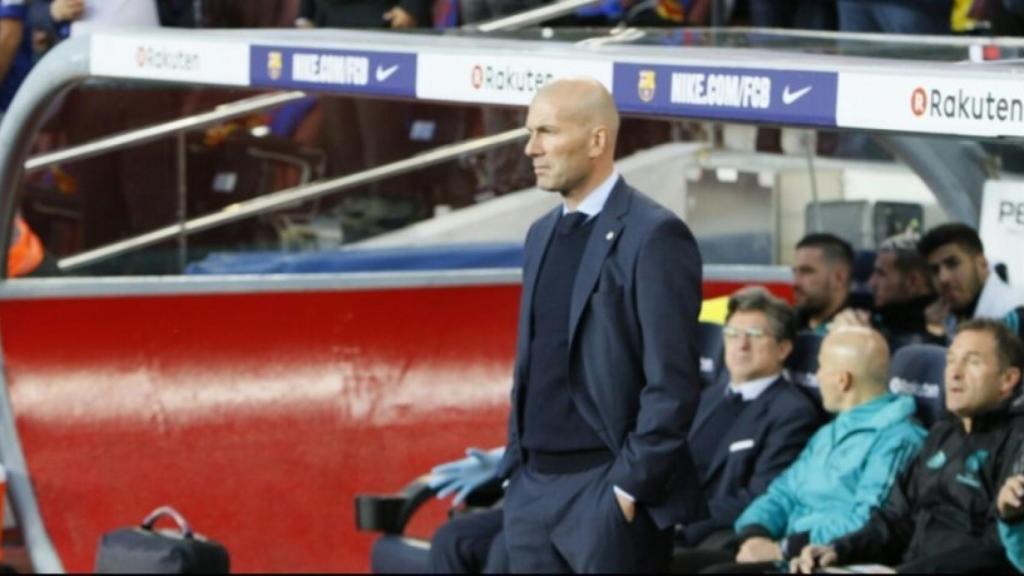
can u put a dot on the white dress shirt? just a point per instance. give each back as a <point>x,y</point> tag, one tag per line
<point>751,389</point>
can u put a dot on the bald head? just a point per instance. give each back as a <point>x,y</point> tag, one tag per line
<point>853,367</point>
<point>582,100</point>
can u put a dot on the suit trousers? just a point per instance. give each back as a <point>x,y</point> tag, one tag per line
<point>470,544</point>
<point>572,523</point>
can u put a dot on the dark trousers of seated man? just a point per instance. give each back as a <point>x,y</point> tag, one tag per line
<point>571,521</point>
<point>470,544</point>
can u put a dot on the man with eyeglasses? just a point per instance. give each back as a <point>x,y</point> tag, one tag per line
<point>750,428</point>
<point>846,469</point>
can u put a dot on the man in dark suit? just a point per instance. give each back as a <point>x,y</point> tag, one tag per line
<point>750,428</point>
<point>747,430</point>
<point>605,384</point>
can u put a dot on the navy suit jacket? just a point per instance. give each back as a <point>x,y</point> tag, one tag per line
<point>764,440</point>
<point>633,368</point>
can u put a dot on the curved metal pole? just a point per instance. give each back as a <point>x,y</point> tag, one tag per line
<point>954,170</point>
<point>276,200</point>
<point>156,131</point>
<point>64,67</point>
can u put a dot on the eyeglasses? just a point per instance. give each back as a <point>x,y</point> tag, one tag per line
<point>733,333</point>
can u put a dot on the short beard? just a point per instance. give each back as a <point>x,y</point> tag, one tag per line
<point>812,308</point>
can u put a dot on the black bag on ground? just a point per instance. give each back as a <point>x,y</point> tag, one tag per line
<point>144,550</point>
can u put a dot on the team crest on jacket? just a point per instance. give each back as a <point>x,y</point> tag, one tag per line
<point>938,460</point>
<point>972,466</point>
<point>646,85</point>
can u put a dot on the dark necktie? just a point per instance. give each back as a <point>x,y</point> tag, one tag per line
<point>570,222</point>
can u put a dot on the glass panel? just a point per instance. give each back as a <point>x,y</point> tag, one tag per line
<point>749,192</point>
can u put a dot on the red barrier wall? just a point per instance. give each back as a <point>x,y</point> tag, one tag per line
<point>258,416</point>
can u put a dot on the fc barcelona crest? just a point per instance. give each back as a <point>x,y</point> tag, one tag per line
<point>646,85</point>
<point>275,64</point>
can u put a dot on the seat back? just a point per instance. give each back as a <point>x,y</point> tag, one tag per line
<point>712,353</point>
<point>802,364</point>
<point>919,370</point>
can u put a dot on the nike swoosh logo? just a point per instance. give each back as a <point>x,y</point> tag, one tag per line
<point>384,73</point>
<point>790,97</point>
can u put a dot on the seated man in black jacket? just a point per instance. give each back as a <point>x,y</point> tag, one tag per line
<point>901,287</point>
<point>940,516</point>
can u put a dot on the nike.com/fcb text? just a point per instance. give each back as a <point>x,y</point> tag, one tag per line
<point>733,90</point>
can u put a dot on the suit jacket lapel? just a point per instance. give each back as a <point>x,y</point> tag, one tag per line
<point>605,234</point>
<point>709,400</point>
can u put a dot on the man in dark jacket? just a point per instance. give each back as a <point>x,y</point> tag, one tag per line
<point>940,516</point>
<point>902,290</point>
<point>751,428</point>
<point>747,430</point>
<point>367,13</point>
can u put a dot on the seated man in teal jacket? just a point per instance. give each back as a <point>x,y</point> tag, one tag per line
<point>940,514</point>
<point>847,467</point>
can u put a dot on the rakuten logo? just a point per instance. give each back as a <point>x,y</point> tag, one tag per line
<point>508,79</point>
<point>163,59</point>
<point>960,105</point>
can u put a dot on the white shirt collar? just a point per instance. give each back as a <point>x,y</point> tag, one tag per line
<point>751,389</point>
<point>595,201</point>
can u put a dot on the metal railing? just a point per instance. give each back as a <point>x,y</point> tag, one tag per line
<point>157,131</point>
<point>282,198</point>
<point>531,17</point>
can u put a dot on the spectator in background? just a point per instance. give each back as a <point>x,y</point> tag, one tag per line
<point>822,270</point>
<point>803,14</point>
<point>939,515</point>
<point>26,255</point>
<point>475,11</point>
<point>901,286</point>
<point>845,470</point>
<point>366,13</point>
<point>363,133</point>
<point>133,190</point>
<point>1007,18</point>
<point>242,13</point>
<point>895,16</point>
<point>967,287</point>
<point>15,50</point>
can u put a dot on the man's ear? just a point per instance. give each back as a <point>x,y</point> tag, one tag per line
<point>981,264</point>
<point>785,349</point>
<point>598,141</point>
<point>1009,381</point>
<point>845,381</point>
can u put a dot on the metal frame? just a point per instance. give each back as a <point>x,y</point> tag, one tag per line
<point>157,131</point>
<point>50,288</point>
<point>282,198</point>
